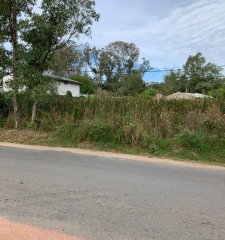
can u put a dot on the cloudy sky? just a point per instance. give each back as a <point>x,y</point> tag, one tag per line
<point>166,31</point>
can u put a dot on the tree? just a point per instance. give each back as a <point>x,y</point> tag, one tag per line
<point>10,13</point>
<point>132,84</point>
<point>35,37</point>
<point>59,24</point>
<point>87,86</point>
<point>50,34</point>
<point>5,62</point>
<point>125,56</point>
<point>197,75</point>
<point>36,86</point>
<point>67,61</point>
<point>218,93</point>
<point>116,64</point>
<point>93,58</point>
<point>201,76</point>
<point>173,83</point>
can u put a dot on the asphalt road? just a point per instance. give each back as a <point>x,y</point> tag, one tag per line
<point>103,198</point>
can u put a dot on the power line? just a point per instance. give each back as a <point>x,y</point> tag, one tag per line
<point>154,70</point>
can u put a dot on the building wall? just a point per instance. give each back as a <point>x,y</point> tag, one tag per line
<point>63,88</point>
<point>5,83</point>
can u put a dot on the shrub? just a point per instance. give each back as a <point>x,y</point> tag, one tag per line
<point>9,122</point>
<point>67,133</point>
<point>99,131</point>
<point>149,93</point>
<point>154,149</point>
<point>92,130</point>
<point>2,120</point>
<point>193,140</point>
<point>212,126</point>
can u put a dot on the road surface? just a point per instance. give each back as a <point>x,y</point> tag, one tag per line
<point>101,198</point>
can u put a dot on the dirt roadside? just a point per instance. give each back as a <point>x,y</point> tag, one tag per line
<point>15,231</point>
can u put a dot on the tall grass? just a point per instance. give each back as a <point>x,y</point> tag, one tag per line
<point>133,121</point>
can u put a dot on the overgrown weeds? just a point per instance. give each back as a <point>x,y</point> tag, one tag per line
<point>158,127</point>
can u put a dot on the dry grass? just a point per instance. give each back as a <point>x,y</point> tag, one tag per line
<point>23,136</point>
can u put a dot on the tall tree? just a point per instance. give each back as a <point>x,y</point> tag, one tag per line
<point>10,18</point>
<point>59,24</point>
<point>51,34</point>
<point>173,83</point>
<point>67,61</point>
<point>197,75</point>
<point>116,63</point>
<point>93,58</point>
<point>126,55</point>
<point>200,75</point>
<point>38,35</point>
<point>5,61</point>
<point>132,84</point>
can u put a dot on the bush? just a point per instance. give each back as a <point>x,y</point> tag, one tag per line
<point>87,85</point>
<point>149,93</point>
<point>94,130</point>
<point>212,126</point>
<point>67,133</point>
<point>99,131</point>
<point>194,140</point>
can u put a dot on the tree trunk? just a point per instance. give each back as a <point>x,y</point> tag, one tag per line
<point>14,36</point>
<point>16,110</point>
<point>34,111</point>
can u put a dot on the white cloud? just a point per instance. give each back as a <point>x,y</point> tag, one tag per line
<point>166,31</point>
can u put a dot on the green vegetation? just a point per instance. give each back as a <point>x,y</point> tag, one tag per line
<point>117,67</point>
<point>196,76</point>
<point>182,129</point>
<point>122,111</point>
<point>87,85</point>
<point>36,30</point>
<point>149,93</point>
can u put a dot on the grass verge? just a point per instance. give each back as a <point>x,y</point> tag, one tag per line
<point>183,147</point>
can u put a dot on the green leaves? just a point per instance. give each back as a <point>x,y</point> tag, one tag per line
<point>87,86</point>
<point>59,23</point>
<point>35,35</point>
<point>118,67</point>
<point>200,75</point>
<point>197,75</point>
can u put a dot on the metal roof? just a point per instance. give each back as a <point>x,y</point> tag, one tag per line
<point>61,79</point>
<point>181,95</point>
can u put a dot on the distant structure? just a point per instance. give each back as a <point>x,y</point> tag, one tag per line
<point>64,85</point>
<point>188,96</point>
<point>5,83</point>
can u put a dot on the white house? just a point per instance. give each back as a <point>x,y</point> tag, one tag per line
<point>64,85</point>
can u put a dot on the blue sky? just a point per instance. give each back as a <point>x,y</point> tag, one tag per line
<point>166,31</point>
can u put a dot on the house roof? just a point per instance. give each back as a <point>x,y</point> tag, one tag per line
<point>57,78</point>
<point>191,96</point>
<point>61,79</point>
